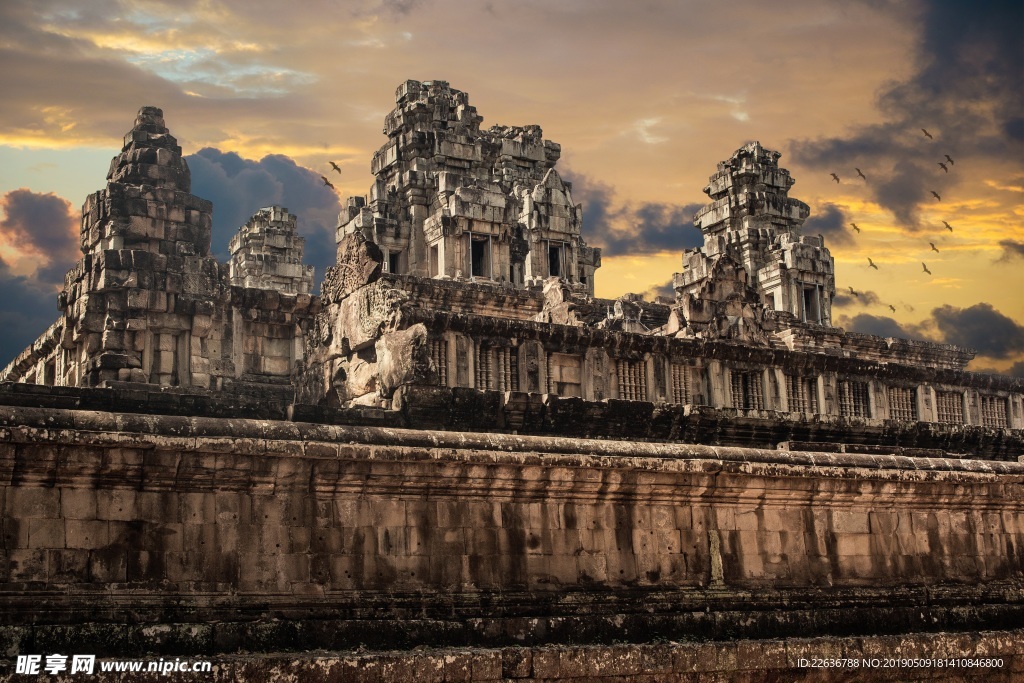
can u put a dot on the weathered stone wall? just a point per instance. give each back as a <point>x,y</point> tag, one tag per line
<point>252,534</point>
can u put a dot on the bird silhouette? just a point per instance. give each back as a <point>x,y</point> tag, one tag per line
<point>925,268</point>
<point>948,158</point>
<point>944,167</point>
<point>855,227</point>
<point>927,134</point>
<point>872,263</point>
<point>853,292</point>
<point>934,248</point>
<point>335,166</point>
<point>948,226</point>
<point>860,174</point>
<point>327,182</point>
<point>936,195</point>
<point>892,308</point>
<point>835,177</point>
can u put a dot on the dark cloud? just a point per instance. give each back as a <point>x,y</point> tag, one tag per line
<point>629,229</point>
<point>980,327</point>
<point>1011,249</point>
<point>866,298</point>
<point>665,289</point>
<point>239,187</point>
<point>831,223</point>
<point>882,326</point>
<point>400,7</point>
<point>967,90</point>
<point>1015,370</point>
<point>28,307</point>
<point>46,225</point>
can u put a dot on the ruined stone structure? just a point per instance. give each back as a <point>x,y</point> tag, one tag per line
<point>749,334</point>
<point>453,201</point>
<point>408,458</point>
<point>148,304</point>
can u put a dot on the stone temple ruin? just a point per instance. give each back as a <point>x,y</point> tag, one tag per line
<point>466,268</point>
<point>462,301</point>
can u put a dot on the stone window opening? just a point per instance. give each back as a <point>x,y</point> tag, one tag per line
<point>949,406</point>
<point>439,357</point>
<point>903,403</point>
<point>681,384</point>
<point>632,379</point>
<point>395,262</point>
<point>993,411</point>
<point>555,255</point>
<point>811,303</point>
<point>747,391</point>
<point>853,399</point>
<point>506,368</point>
<point>802,394</point>
<point>480,262</point>
<point>434,261</point>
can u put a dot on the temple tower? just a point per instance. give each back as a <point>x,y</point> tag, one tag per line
<point>453,201</point>
<point>753,222</point>
<point>141,304</point>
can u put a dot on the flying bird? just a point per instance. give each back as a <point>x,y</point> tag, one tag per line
<point>327,182</point>
<point>948,158</point>
<point>855,227</point>
<point>934,248</point>
<point>944,167</point>
<point>927,134</point>
<point>892,308</point>
<point>335,166</point>
<point>853,292</point>
<point>872,263</point>
<point>860,174</point>
<point>925,268</point>
<point>936,195</point>
<point>948,226</point>
<point>835,177</point>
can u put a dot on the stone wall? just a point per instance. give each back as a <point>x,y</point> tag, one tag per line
<point>270,535</point>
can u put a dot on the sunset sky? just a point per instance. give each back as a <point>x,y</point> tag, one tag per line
<point>644,97</point>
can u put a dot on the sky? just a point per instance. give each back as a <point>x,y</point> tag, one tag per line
<point>644,97</point>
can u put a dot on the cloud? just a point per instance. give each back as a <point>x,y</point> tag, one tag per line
<point>239,187</point>
<point>1011,249</point>
<point>632,229</point>
<point>1015,370</point>
<point>44,224</point>
<point>980,327</point>
<point>831,223</point>
<point>665,289</point>
<point>27,308</point>
<point>967,89</point>
<point>882,326</point>
<point>866,298</point>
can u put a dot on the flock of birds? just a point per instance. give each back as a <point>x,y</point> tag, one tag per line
<point>944,165</point>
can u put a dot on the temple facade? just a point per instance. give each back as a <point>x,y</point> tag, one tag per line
<point>465,268</point>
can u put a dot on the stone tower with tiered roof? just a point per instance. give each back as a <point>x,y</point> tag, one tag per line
<point>753,224</point>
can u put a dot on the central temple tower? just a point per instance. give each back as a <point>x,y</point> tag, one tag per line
<point>453,201</point>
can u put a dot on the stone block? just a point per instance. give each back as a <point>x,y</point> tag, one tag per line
<point>25,502</point>
<point>78,504</point>
<point>85,534</point>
